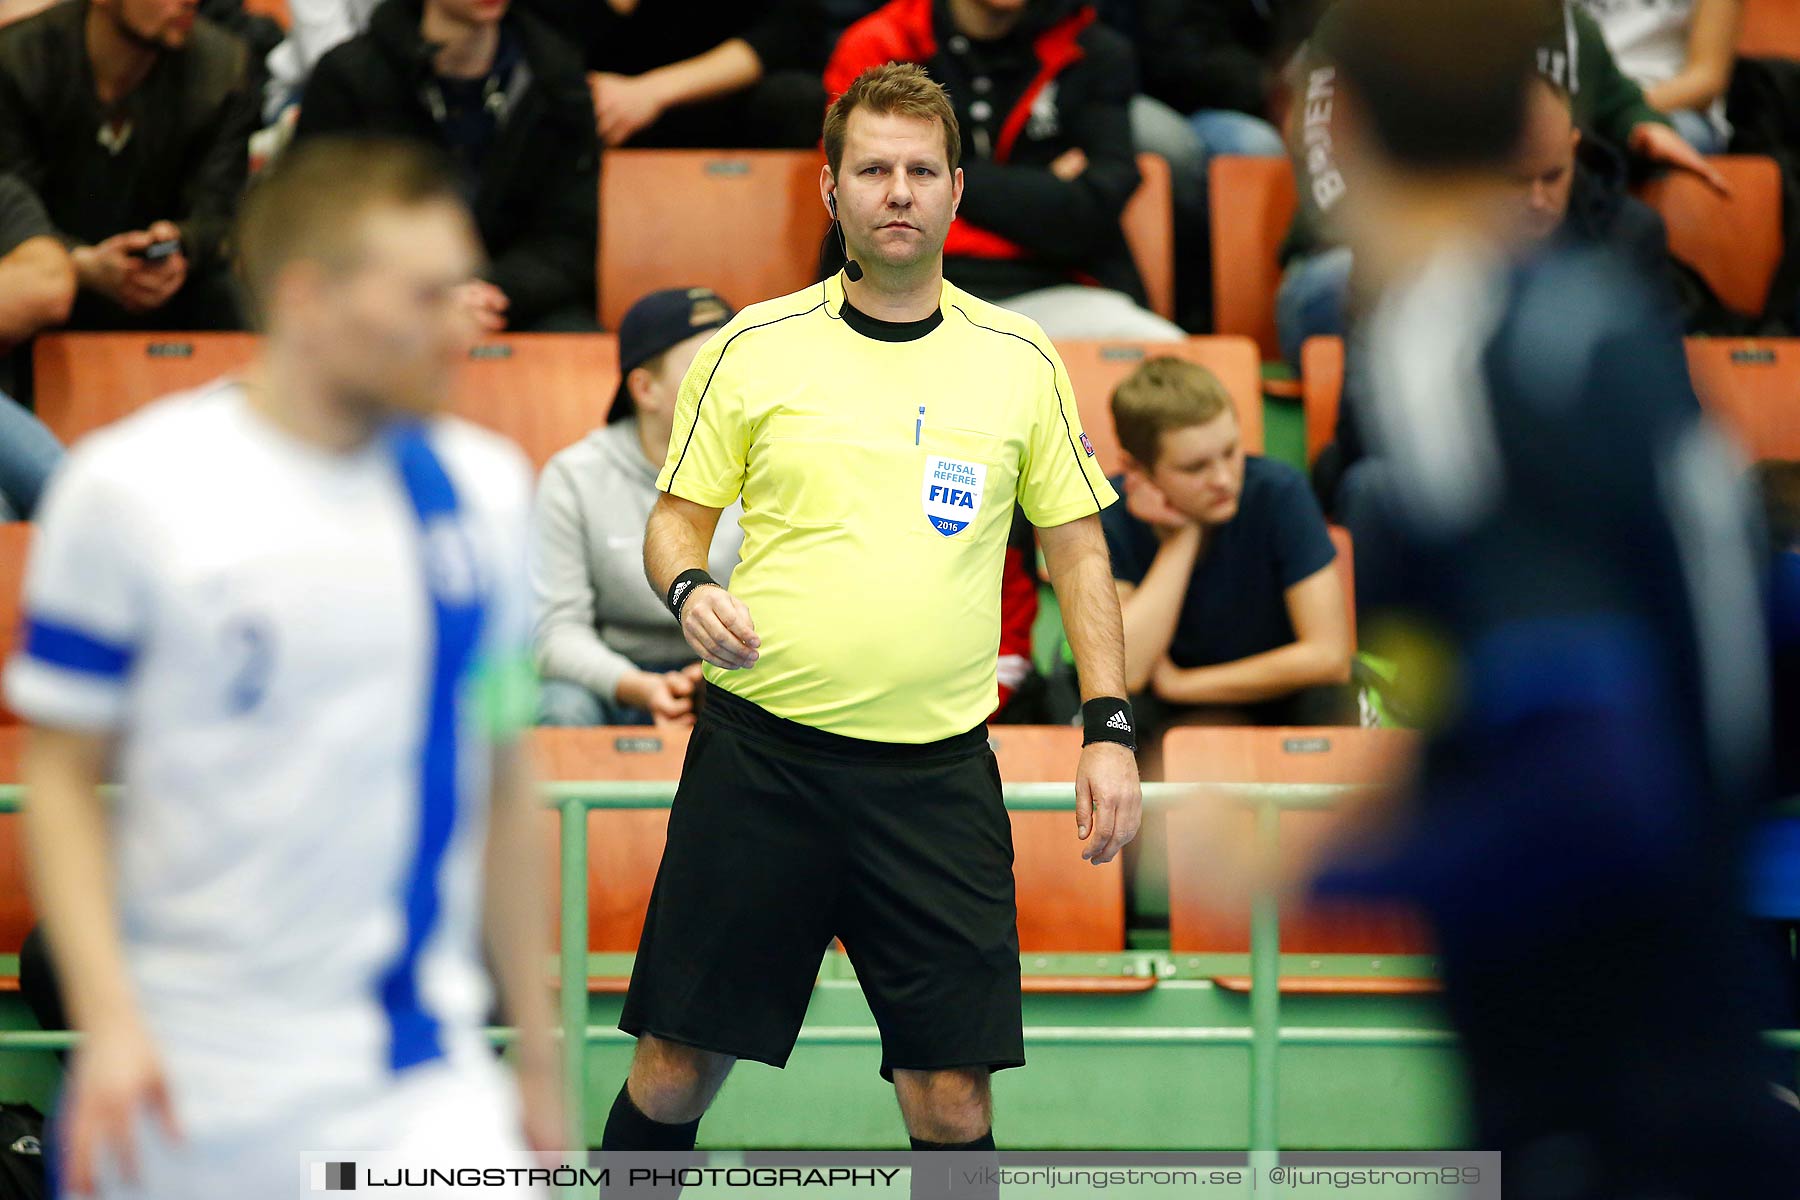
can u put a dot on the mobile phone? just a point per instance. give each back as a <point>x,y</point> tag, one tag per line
<point>157,251</point>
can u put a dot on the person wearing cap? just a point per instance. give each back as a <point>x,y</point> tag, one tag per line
<point>607,649</point>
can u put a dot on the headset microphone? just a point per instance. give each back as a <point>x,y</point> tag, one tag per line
<point>852,269</point>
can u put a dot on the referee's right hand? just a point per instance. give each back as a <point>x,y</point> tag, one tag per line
<point>717,625</point>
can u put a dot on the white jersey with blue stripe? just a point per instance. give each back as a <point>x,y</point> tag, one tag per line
<point>283,641</point>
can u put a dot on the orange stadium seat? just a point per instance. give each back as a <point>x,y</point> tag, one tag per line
<point>1253,202</point>
<point>1198,925</point>
<point>16,915</point>
<point>543,390</point>
<point>624,845</point>
<point>15,542</point>
<point>1096,368</point>
<point>1065,904</point>
<point>275,10</point>
<point>1346,568</point>
<point>1754,389</point>
<point>677,218</point>
<point>746,223</point>
<point>1734,242</point>
<point>1770,29</point>
<point>86,380</point>
<point>1149,223</point>
<point>1321,387</point>
<point>15,901</point>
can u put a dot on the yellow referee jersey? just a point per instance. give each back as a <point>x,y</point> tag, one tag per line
<point>878,466</point>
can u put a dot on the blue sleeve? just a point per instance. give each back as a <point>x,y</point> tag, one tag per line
<point>1302,544</point>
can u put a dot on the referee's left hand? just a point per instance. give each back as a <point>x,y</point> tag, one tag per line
<point>1109,800</point>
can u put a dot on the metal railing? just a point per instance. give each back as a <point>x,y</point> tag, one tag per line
<point>1264,1035</point>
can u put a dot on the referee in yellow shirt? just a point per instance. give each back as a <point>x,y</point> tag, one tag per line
<point>879,427</point>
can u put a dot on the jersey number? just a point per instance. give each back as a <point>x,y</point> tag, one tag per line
<point>251,645</point>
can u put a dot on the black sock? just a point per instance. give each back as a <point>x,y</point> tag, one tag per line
<point>627,1128</point>
<point>984,1142</point>
<point>933,1179</point>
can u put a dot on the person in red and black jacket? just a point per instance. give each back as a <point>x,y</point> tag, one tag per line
<point>1042,93</point>
<point>1018,613</point>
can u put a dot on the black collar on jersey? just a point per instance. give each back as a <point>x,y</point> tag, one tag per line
<point>889,331</point>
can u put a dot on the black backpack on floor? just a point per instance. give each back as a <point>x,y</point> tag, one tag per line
<point>22,1153</point>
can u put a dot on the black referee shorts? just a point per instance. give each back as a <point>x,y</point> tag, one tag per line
<point>782,837</point>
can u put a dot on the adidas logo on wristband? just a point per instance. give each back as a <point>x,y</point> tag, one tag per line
<point>683,586</point>
<point>1108,719</point>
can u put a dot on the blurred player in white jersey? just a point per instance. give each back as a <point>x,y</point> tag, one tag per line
<point>287,613</point>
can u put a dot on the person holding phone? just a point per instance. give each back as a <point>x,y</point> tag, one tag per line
<point>130,120</point>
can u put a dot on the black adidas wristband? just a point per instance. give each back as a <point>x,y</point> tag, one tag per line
<point>684,586</point>
<point>1108,719</point>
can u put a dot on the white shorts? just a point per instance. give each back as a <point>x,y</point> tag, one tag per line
<point>437,1115</point>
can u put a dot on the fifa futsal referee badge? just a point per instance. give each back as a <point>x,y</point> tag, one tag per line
<point>951,493</point>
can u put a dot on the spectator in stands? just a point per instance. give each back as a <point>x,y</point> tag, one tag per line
<point>1233,609</point>
<point>1681,53</point>
<point>1315,286</point>
<point>710,73</point>
<point>1209,87</point>
<point>37,289</point>
<point>1023,699</point>
<point>504,96</point>
<point>1210,62</point>
<point>1574,188</point>
<point>314,27</point>
<point>37,276</point>
<point>28,453</point>
<point>1570,190</point>
<point>608,651</point>
<point>1042,94</point>
<point>130,120</point>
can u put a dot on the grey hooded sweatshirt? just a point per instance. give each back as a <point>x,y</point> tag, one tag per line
<point>597,617</point>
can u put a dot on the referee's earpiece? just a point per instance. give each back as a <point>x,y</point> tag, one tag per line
<point>852,269</point>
